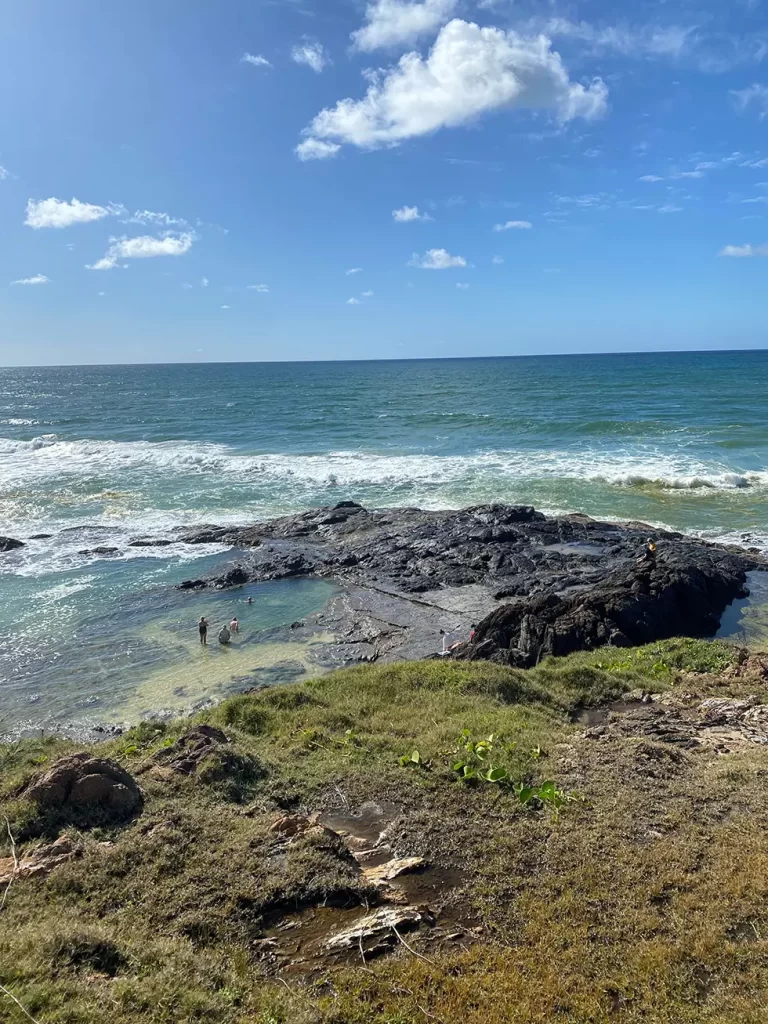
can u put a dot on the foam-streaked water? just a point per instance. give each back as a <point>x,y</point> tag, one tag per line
<point>97,456</point>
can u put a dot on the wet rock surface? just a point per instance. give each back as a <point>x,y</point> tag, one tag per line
<point>86,785</point>
<point>10,544</point>
<point>535,585</point>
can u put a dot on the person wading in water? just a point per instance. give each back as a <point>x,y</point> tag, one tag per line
<point>203,628</point>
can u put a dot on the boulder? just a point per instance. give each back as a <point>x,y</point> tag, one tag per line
<point>83,784</point>
<point>10,544</point>
<point>191,749</point>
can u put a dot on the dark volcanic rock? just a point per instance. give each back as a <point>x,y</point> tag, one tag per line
<point>672,597</point>
<point>10,544</point>
<point>99,551</point>
<point>80,783</point>
<point>575,583</point>
<point>41,536</point>
<point>148,542</point>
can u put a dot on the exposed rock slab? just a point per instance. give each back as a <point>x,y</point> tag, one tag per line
<point>10,544</point>
<point>537,585</point>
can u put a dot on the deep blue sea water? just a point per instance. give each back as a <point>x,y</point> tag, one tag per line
<point>99,455</point>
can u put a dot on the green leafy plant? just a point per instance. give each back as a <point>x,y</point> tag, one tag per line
<point>412,760</point>
<point>474,759</point>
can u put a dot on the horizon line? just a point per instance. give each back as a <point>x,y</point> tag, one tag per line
<point>385,359</point>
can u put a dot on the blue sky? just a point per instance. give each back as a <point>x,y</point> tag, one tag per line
<point>504,177</point>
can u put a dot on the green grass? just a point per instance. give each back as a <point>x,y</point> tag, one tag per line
<point>645,901</point>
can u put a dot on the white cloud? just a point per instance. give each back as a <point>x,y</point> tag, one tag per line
<point>225,307</point>
<point>391,22</point>
<point>311,53</point>
<point>102,294</point>
<point>498,260</point>
<point>353,302</point>
<point>316,149</point>
<point>187,285</point>
<point>461,285</point>
<point>367,295</point>
<point>354,270</point>
<point>470,71</point>
<point>203,282</point>
<point>4,173</point>
<point>142,247</point>
<point>513,225</point>
<point>58,213</point>
<point>437,259</point>
<point>256,60</point>
<point>670,208</point>
<point>651,177</point>
<point>409,213</point>
<point>261,288</point>
<point>759,164</point>
<point>150,217</point>
<point>740,251</point>
<point>688,174</point>
<point>755,94</point>
<point>37,279</point>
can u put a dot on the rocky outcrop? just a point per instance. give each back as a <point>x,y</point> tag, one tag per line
<point>85,786</point>
<point>566,583</point>
<point>39,862</point>
<point>190,750</point>
<point>10,544</point>
<point>654,601</point>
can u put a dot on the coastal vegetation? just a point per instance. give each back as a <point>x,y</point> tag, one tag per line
<point>587,840</point>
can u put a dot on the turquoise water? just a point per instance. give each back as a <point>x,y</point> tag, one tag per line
<point>97,456</point>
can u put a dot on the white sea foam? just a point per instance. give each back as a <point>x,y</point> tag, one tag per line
<point>46,460</point>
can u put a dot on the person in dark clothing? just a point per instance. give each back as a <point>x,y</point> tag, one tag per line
<point>203,629</point>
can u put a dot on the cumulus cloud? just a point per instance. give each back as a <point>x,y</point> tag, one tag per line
<point>261,288</point>
<point>470,71</point>
<point>353,302</point>
<point>754,95</point>
<point>409,213</point>
<point>316,149</point>
<point>256,60</point>
<point>58,213</point>
<point>37,279</point>
<point>204,282</point>
<point>4,173</point>
<point>391,22</point>
<point>437,259</point>
<point>513,225</point>
<point>142,247</point>
<point>742,251</point>
<point>311,53</point>
<point>354,270</point>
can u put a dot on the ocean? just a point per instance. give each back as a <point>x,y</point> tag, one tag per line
<point>98,456</point>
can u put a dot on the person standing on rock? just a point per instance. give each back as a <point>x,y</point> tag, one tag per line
<point>203,630</point>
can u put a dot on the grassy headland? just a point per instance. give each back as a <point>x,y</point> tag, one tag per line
<point>644,897</point>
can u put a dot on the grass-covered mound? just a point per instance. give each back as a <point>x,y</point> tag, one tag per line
<point>640,894</point>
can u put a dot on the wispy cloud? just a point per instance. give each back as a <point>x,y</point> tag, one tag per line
<point>4,173</point>
<point>316,149</point>
<point>744,251</point>
<point>37,279</point>
<point>311,53</point>
<point>755,96</point>
<point>353,301</point>
<point>204,282</point>
<point>159,219</point>
<point>367,295</point>
<point>513,225</point>
<point>58,213</point>
<point>261,288</point>
<point>354,270</point>
<point>409,213</point>
<point>256,60</point>
<point>437,259</point>
<point>142,247</point>
<point>498,260</point>
<point>670,208</point>
<point>462,286</point>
